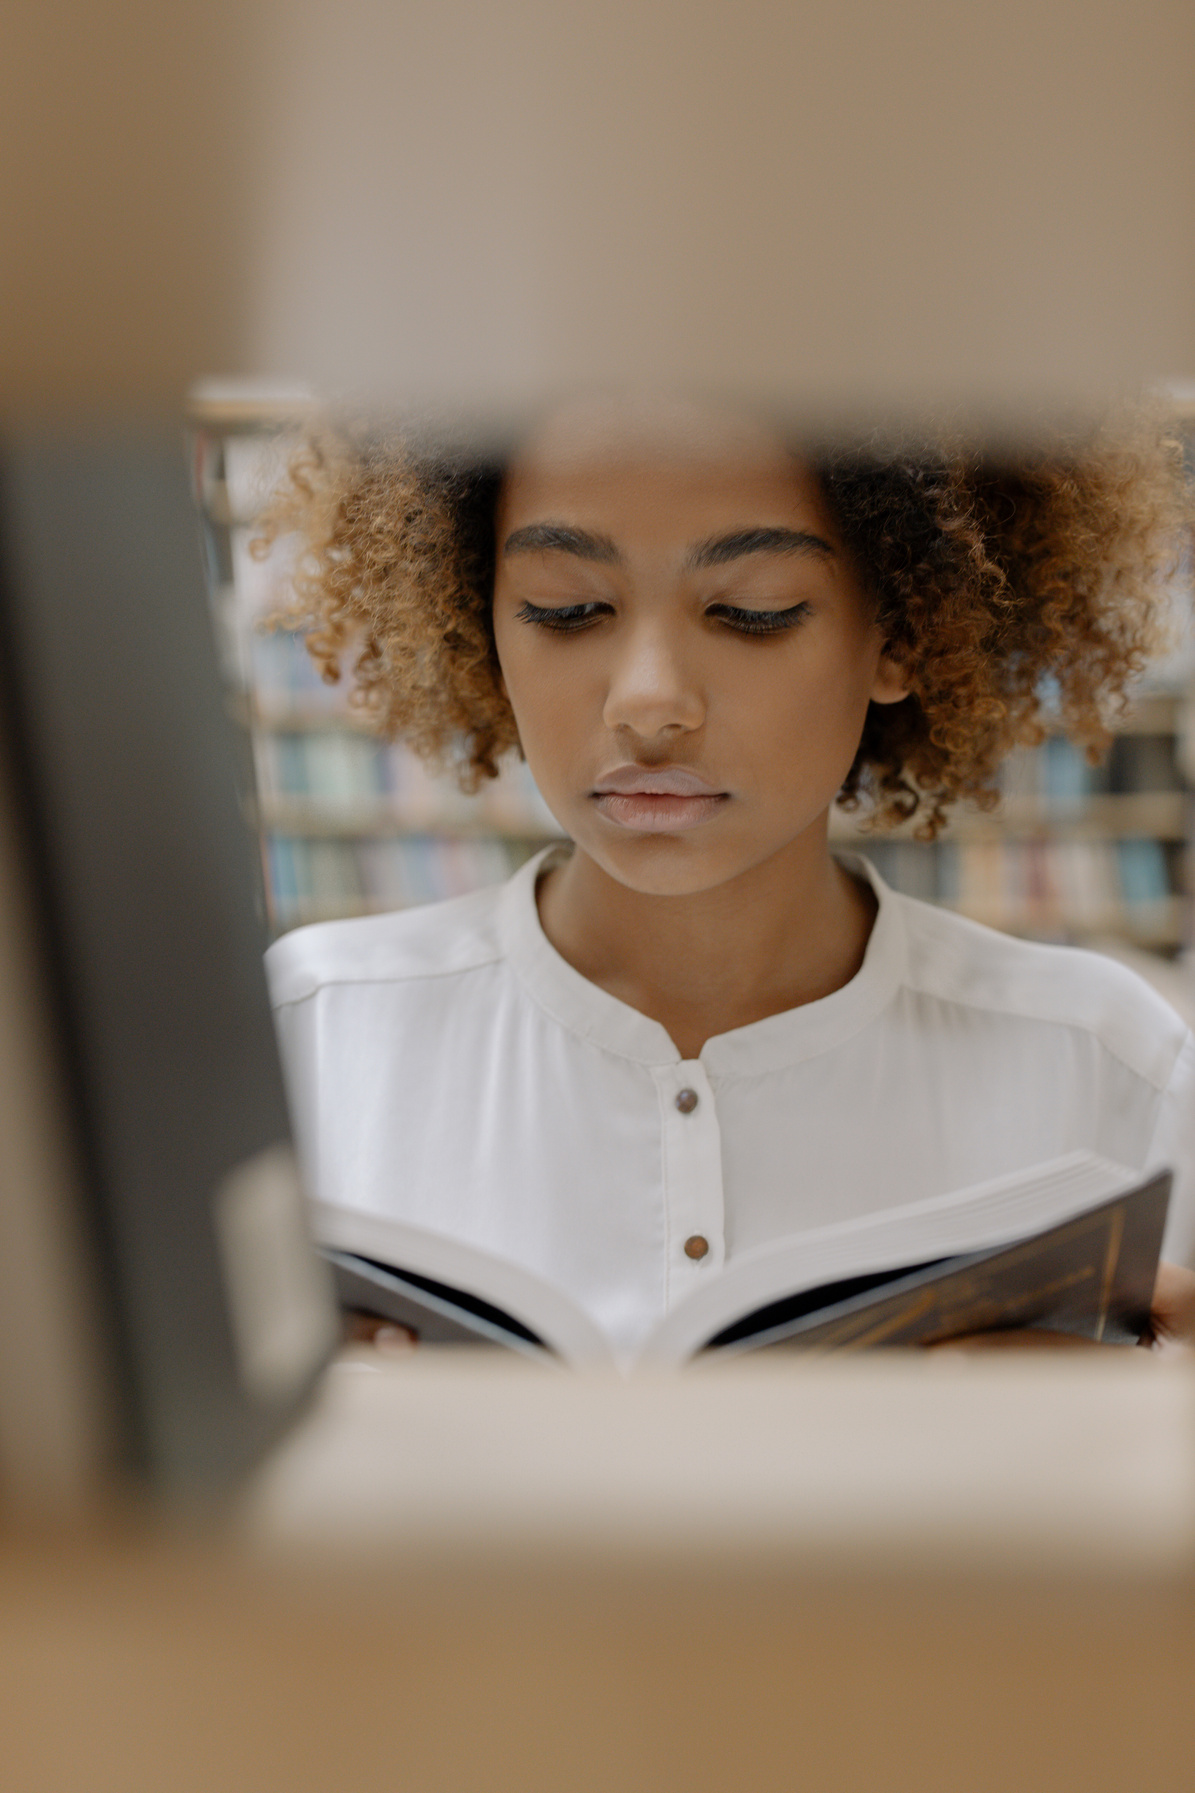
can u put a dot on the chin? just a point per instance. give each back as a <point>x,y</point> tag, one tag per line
<point>664,865</point>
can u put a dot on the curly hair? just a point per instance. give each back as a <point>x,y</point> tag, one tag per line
<point>1018,591</point>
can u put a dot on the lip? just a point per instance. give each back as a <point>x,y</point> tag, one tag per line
<point>654,781</point>
<point>656,799</point>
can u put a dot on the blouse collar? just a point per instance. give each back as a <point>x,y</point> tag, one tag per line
<point>767,1045</point>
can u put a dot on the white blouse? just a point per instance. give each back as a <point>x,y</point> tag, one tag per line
<point>447,1066</point>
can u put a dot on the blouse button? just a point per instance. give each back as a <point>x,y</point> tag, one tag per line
<point>695,1246</point>
<point>686,1101</point>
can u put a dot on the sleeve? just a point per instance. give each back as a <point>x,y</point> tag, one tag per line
<point>1173,1145</point>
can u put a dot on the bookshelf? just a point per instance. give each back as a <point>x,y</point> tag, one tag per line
<point>350,824</point>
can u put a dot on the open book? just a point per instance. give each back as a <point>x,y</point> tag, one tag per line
<point>1071,1245</point>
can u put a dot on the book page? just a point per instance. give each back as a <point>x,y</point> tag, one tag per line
<point>538,1304</point>
<point>979,1218</point>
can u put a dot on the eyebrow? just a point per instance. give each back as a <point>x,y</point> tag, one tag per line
<point>723,548</point>
<point>560,538</point>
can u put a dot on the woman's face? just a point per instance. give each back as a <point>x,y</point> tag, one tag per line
<point>685,643</point>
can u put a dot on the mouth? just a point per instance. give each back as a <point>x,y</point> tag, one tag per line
<point>656,799</point>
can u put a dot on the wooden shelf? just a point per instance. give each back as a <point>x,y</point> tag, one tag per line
<point>311,720</point>
<point>375,822</point>
<point>233,415</point>
<point>1161,924</point>
<point>302,914</point>
<point>1157,815</point>
<point>1154,713</point>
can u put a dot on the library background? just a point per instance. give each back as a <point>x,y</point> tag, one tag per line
<point>1101,856</point>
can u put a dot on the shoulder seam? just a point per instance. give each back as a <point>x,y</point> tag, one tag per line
<point>1068,1021</point>
<point>415,975</point>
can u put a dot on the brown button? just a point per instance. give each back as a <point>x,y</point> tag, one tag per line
<point>686,1101</point>
<point>695,1245</point>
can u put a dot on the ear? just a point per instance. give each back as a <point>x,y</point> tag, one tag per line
<point>890,685</point>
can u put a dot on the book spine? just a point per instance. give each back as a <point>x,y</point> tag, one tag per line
<point>313,880</point>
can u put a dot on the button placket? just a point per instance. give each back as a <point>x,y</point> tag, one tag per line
<point>692,1165</point>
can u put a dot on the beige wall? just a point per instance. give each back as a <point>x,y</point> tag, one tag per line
<point>860,201</point>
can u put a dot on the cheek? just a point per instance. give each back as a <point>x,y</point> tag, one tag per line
<point>513,668</point>
<point>547,702</point>
<point>806,709</point>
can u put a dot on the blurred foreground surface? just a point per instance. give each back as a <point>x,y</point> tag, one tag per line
<point>469,1573</point>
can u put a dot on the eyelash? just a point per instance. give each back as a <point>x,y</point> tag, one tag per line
<point>759,622</point>
<point>566,619</point>
<point>570,619</point>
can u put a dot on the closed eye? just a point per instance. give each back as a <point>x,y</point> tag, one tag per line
<point>566,618</point>
<point>758,622</point>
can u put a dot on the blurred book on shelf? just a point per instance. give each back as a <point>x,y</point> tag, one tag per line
<point>352,824</point>
<point>315,879</point>
<point>1053,889</point>
<point>1073,852</point>
<point>334,773</point>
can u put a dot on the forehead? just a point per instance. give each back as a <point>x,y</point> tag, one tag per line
<point>661,469</point>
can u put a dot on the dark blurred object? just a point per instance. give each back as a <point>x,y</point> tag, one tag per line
<point>163,1309</point>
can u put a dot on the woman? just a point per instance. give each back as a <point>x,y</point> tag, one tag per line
<point>696,1030</point>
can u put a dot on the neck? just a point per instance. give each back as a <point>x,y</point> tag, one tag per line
<point>787,931</point>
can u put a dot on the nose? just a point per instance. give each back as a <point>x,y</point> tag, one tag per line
<point>651,690</point>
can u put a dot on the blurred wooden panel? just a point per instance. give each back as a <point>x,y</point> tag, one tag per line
<point>861,206</point>
<point>132,1670</point>
<point>125,134</point>
<point>908,1574</point>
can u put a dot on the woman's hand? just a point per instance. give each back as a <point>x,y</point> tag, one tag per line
<point>1172,1316</point>
<point>384,1335</point>
<point>1171,1323</point>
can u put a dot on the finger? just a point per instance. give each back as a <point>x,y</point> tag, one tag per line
<point>1172,1316</point>
<point>372,1329</point>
